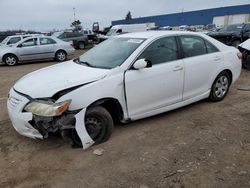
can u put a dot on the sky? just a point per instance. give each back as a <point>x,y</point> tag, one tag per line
<point>46,15</point>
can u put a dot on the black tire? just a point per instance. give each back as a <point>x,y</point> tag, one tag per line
<point>81,45</point>
<point>61,56</point>
<point>99,125</point>
<point>246,62</point>
<point>220,87</point>
<point>10,59</point>
<point>236,43</point>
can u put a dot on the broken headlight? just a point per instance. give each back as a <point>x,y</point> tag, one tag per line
<point>47,108</point>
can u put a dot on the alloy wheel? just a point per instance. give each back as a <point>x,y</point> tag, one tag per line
<point>221,86</point>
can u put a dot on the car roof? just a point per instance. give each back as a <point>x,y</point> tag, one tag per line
<point>156,34</point>
<point>24,35</point>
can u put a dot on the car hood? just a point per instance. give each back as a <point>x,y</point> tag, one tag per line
<point>245,45</point>
<point>48,81</point>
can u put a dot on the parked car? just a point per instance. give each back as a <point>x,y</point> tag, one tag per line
<point>79,39</point>
<point>245,50</point>
<point>15,38</point>
<point>233,34</point>
<point>184,28</point>
<point>125,78</point>
<point>168,28</point>
<point>35,48</point>
<point>121,29</point>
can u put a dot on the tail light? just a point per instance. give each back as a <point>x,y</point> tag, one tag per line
<point>72,45</point>
<point>239,55</point>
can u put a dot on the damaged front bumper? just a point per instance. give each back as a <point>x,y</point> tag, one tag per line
<point>37,127</point>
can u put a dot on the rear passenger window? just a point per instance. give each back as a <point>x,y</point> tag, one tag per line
<point>161,51</point>
<point>211,48</point>
<point>46,41</point>
<point>193,46</point>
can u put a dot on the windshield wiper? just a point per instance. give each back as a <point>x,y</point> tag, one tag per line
<point>83,62</point>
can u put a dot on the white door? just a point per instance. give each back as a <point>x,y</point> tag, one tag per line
<point>28,50</point>
<point>201,60</point>
<point>155,87</point>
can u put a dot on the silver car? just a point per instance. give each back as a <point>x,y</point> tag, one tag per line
<point>36,48</point>
<point>16,38</point>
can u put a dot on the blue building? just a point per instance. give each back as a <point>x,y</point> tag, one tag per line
<point>199,17</point>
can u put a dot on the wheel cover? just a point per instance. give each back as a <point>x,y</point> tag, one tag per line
<point>94,127</point>
<point>10,60</point>
<point>221,87</point>
<point>61,56</point>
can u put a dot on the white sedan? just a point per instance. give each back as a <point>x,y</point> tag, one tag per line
<point>125,78</point>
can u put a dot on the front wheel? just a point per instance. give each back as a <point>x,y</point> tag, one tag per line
<point>99,125</point>
<point>220,87</point>
<point>61,56</point>
<point>10,60</point>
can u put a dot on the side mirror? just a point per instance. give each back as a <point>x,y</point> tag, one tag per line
<point>141,64</point>
<point>19,45</point>
<point>119,31</point>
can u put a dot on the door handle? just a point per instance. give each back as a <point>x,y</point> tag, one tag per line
<point>178,68</point>
<point>217,58</point>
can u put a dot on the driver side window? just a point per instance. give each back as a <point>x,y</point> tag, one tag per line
<point>30,42</point>
<point>161,51</point>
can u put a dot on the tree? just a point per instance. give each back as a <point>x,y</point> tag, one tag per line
<point>76,25</point>
<point>128,16</point>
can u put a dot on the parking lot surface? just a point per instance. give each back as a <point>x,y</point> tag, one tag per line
<point>202,145</point>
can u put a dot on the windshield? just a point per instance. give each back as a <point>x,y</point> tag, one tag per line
<point>235,27</point>
<point>111,32</point>
<point>110,53</point>
<point>5,40</point>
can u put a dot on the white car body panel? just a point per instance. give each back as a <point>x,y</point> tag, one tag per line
<point>111,87</point>
<point>199,71</point>
<point>246,45</point>
<point>171,107</point>
<point>141,93</point>
<point>57,82</point>
<point>156,87</point>
<point>20,121</point>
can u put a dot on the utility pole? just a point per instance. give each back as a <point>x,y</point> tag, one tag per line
<point>74,14</point>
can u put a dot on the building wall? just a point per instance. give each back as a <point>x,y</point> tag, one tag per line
<point>200,17</point>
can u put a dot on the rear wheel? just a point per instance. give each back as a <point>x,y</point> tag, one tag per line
<point>61,55</point>
<point>10,60</point>
<point>220,87</point>
<point>99,125</point>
